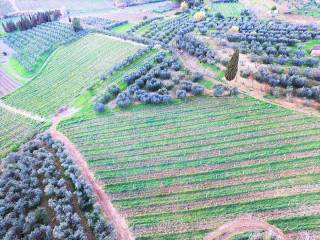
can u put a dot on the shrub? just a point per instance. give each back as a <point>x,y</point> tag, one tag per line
<point>186,85</point>
<point>245,73</point>
<point>197,90</point>
<point>123,100</point>
<point>153,84</point>
<point>181,94</point>
<point>99,107</point>
<point>218,90</point>
<point>114,90</point>
<point>234,91</point>
<point>196,77</point>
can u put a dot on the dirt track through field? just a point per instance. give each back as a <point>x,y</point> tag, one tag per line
<point>240,225</point>
<point>112,214</point>
<point>215,223</point>
<point>22,112</point>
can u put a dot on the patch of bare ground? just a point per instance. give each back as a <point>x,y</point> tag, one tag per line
<point>239,198</point>
<point>218,183</point>
<point>304,235</point>
<point>198,170</point>
<point>260,90</point>
<point>192,63</point>
<point>7,84</point>
<point>112,214</point>
<point>244,224</point>
<point>208,224</point>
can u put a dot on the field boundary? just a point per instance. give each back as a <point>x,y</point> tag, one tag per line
<point>104,200</point>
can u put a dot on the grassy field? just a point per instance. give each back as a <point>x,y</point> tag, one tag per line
<point>124,27</point>
<point>182,170</point>
<point>71,70</point>
<point>85,103</point>
<point>227,9</point>
<point>15,130</point>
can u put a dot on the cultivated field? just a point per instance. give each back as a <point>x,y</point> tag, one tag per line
<point>72,68</point>
<point>227,9</point>
<point>142,136</point>
<point>180,171</point>
<point>15,130</point>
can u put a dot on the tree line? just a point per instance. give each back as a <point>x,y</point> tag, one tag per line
<point>28,22</point>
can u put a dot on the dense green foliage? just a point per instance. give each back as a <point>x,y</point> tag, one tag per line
<point>232,67</point>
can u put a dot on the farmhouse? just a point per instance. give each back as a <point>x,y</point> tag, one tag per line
<point>315,51</point>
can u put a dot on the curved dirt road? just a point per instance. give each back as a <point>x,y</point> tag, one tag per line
<point>103,199</point>
<point>230,229</point>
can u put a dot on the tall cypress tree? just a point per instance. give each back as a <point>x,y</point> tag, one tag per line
<point>232,68</point>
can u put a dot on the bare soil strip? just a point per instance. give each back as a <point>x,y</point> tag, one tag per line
<point>22,112</point>
<point>278,192</point>
<point>7,84</point>
<point>103,199</point>
<point>219,183</point>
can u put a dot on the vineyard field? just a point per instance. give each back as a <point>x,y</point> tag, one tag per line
<point>71,70</point>
<point>227,9</point>
<point>180,171</point>
<point>15,130</point>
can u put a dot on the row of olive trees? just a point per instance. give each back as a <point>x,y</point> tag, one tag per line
<point>29,179</point>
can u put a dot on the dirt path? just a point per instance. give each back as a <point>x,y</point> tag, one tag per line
<point>243,225</point>
<point>22,112</point>
<point>103,199</point>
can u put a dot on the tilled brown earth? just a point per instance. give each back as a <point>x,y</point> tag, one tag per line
<point>7,84</point>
